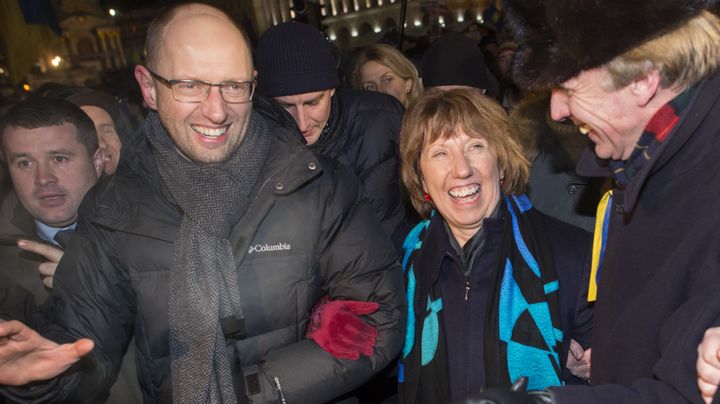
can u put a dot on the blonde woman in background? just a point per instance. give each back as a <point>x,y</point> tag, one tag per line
<point>383,68</point>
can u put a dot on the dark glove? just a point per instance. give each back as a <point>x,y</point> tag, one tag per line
<point>336,327</point>
<point>515,395</point>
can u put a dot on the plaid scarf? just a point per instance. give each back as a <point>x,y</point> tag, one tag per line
<point>647,148</point>
<point>654,135</point>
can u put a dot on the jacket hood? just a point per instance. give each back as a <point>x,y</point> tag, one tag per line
<point>538,132</point>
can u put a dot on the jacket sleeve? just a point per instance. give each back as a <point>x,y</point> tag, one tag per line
<point>356,262</point>
<point>674,379</point>
<point>16,303</point>
<point>376,132</point>
<point>91,299</point>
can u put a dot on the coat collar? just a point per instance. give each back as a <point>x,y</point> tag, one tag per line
<point>132,200</point>
<point>705,97</point>
<point>15,220</point>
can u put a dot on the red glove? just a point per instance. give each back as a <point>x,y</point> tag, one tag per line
<point>336,327</point>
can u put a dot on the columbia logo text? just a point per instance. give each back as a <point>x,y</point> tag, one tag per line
<point>261,248</point>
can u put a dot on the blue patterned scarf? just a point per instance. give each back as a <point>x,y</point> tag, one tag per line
<point>522,334</point>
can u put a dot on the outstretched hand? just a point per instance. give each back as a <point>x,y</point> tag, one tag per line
<point>336,326</point>
<point>51,253</point>
<point>26,356</point>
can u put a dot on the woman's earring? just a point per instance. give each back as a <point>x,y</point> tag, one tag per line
<point>427,197</point>
<point>502,180</point>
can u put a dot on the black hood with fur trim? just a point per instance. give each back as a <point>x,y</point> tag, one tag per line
<point>560,38</point>
<point>538,132</point>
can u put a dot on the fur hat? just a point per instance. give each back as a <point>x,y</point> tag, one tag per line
<point>455,60</point>
<point>295,58</point>
<point>560,38</point>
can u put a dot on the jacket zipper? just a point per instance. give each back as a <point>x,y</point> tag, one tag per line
<point>279,389</point>
<point>466,288</point>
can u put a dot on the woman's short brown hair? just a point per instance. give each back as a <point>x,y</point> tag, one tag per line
<point>440,114</point>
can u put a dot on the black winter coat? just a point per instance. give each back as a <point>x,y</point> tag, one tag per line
<point>363,133</point>
<point>457,368</point>
<point>19,266</point>
<point>306,234</point>
<point>554,149</point>
<point>658,288</point>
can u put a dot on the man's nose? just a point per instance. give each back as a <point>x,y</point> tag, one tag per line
<point>301,119</point>
<point>45,174</point>
<point>559,105</point>
<point>214,107</point>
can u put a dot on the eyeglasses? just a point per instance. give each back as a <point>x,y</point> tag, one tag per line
<point>234,92</point>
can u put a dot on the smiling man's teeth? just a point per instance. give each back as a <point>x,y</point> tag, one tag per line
<point>584,129</point>
<point>209,131</point>
<point>463,192</point>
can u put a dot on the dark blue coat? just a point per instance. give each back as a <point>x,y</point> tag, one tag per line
<point>660,279</point>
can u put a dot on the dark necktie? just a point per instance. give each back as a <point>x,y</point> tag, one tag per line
<point>63,237</point>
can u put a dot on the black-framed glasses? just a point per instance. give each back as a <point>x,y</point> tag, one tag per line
<point>234,92</point>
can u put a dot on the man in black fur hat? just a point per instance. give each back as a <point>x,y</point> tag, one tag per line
<point>641,81</point>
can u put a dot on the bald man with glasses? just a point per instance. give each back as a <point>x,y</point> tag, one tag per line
<point>211,243</point>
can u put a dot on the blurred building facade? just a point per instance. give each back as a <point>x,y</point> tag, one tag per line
<point>97,40</point>
<point>358,23</point>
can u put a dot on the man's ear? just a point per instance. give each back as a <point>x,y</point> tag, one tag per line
<point>99,161</point>
<point>147,86</point>
<point>645,88</point>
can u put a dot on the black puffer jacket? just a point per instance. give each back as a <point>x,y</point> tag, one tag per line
<point>306,234</point>
<point>363,133</point>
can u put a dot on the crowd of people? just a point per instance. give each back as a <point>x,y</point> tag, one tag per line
<point>529,225</point>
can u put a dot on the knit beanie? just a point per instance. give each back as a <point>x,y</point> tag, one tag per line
<point>294,58</point>
<point>454,60</point>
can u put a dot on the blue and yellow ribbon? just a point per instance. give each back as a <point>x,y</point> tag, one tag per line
<point>599,241</point>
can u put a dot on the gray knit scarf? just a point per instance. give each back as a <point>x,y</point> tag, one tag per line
<point>203,281</point>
